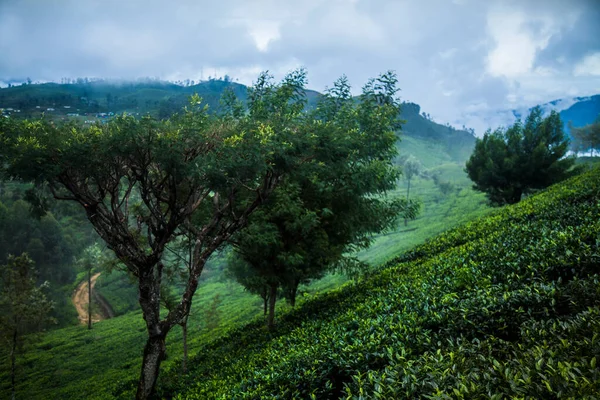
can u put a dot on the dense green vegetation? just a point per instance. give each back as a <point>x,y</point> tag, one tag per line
<point>145,183</point>
<point>100,100</point>
<point>504,306</point>
<point>51,241</point>
<point>435,292</point>
<point>112,356</point>
<point>24,307</point>
<point>528,156</point>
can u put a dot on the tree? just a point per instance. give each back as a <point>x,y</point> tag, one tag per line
<point>90,259</point>
<point>197,173</point>
<point>182,251</point>
<point>411,168</point>
<point>24,307</point>
<point>586,138</point>
<point>327,210</point>
<point>507,164</point>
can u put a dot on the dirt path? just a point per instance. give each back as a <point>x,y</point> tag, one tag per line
<point>80,300</point>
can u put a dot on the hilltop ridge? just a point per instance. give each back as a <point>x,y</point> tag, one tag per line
<point>98,100</point>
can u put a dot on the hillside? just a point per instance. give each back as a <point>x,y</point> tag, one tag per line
<point>579,111</point>
<point>91,101</point>
<point>585,111</point>
<point>507,304</point>
<point>504,306</point>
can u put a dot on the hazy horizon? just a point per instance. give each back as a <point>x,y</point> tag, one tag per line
<point>460,60</point>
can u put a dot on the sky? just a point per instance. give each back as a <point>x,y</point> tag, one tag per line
<point>461,60</point>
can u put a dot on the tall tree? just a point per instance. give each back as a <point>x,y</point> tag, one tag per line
<point>506,164</point>
<point>199,173</point>
<point>24,307</point>
<point>324,212</point>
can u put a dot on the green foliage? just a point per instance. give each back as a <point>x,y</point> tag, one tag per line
<point>526,157</point>
<point>144,182</point>
<point>455,144</point>
<point>23,304</point>
<point>332,205</point>
<point>505,306</point>
<point>24,307</point>
<point>586,138</point>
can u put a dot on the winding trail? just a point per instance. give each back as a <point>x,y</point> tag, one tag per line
<point>80,300</point>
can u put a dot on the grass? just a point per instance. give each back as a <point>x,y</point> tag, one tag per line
<point>104,362</point>
<point>439,213</point>
<point>507,306</point>
<point>74,362</point>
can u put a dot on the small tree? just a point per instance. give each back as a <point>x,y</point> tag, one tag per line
<point>586,138</point>
<point>506,164</point>
<point>198,173</point>
<point>411,168</point>
<point>24,307</point>
<point>89,260</point>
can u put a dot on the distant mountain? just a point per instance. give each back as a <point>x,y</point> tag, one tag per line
<point>98,100</point>
<point>579,111</point>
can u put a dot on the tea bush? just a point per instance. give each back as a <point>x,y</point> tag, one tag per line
<point>507,306</point>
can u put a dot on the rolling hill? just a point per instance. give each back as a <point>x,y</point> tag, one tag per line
<point>90,101</point>
<point>506,305</point>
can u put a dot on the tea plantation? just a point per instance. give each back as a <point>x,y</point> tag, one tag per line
<point>507,306</point>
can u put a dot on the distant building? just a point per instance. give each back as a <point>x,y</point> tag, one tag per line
<point>67,106</point>
<point>49,109</point>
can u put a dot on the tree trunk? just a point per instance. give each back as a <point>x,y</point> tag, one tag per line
<point>155,350</point>
<point>407,195</point>
<point>154,353</point>
<point>13,362</point>
<point>265,303</point>
<point>185,348</point>
<point>272,300</point>
<point>90,298</point>
<point>293,292</point>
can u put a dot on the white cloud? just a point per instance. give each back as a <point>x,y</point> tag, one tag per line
<point>589,66</point>
<point>263,33</point>
<point>457,59</point>
<point>515,45</point>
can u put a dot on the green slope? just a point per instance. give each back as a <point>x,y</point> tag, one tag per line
<point>506,306</point>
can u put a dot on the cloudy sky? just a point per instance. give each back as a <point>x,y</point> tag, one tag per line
<point>459,59</point>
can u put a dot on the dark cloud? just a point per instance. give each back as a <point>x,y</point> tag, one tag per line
<point>459,59</point>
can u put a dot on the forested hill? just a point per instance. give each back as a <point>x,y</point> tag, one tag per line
<point>457,143</point>
<point>91,101</point>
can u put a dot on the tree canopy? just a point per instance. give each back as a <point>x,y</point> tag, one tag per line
<point>320,214</point>
<point>24,307</point>
<point>507,164</point>
<point>587,138</point>
<point>143,183</point>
